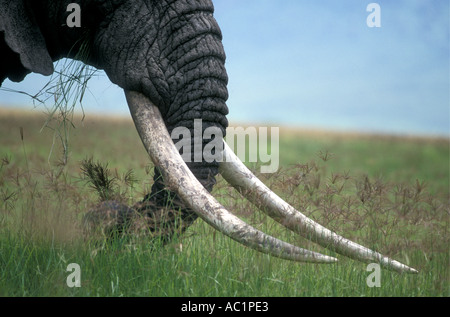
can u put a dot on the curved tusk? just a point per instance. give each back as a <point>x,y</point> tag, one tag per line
<point>159,145</point>
<point>240,177</point>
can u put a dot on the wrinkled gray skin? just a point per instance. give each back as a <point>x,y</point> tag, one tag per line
<point>170,50</point>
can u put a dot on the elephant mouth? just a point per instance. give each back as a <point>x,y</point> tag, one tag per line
<point>179,178</point>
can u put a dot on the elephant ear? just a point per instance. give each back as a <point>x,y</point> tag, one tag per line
<point>23,42</point>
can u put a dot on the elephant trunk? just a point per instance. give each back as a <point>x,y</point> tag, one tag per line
<point>193,61</point>
<point>197,77</point>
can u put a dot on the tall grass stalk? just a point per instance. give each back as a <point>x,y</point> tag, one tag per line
<point>67,87</point>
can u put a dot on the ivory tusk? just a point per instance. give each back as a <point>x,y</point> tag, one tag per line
<point>177,176</point>
<point>240,177</point>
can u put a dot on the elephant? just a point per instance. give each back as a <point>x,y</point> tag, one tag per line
<point>168,57</point>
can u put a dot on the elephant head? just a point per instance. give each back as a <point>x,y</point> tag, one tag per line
<point>168,57</point>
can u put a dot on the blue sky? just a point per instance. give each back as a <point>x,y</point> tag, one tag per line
<point>316,64</point>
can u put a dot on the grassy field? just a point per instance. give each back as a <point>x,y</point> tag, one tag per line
<point>388,193</point>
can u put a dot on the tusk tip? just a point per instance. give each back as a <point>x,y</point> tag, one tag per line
<point>412,271</point>
<point>326,259</point>
<point>400,268</point>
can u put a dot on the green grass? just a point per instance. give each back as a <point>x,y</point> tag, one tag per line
<point>205,267</point>
<point>43,199</point>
